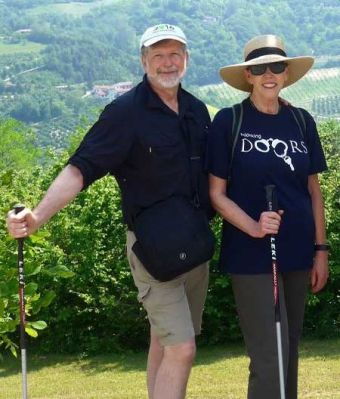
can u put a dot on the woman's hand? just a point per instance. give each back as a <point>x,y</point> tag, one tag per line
<point>269,223</point>
<point>319,274</point>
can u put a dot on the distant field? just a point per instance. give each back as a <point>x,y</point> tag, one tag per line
<point>322,60</point>
<point>27,47</point>
<point>212,110</point>
<point>74,8</point>
<point>317,85</point>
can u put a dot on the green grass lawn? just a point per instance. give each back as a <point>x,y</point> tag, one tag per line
<point>27,47</point>
<point>219,372</point>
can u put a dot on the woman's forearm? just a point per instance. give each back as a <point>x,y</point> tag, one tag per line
<point>318,209</point>
<point>268,223</point>
<point>231,212</point>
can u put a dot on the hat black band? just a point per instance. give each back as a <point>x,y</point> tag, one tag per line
<point>265,51</point>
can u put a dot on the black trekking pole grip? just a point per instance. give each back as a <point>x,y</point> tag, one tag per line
<point>18,208</point>
<point>271,197</point>
<point>21,270</point>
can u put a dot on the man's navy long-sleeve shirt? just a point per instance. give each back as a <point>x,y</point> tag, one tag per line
<point>141,142</point>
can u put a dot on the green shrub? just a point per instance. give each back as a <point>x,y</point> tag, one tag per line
<point>323,310</point>
<point>96,309</point>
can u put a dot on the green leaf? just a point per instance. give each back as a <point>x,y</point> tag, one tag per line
<point>47,299</point>
<point>39,237</point>
<point>3,289</point>
<point>8,326</point>
<point>31,288</point>
<point>38,325</point>
<point>32,270</point>
<point>12,287</point>
<point>2,308</point>
<point>31,332</point>
<point>13,350</point>
<point>61,271</point>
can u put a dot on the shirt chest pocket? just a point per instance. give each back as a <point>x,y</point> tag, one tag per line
<point>163,148</point>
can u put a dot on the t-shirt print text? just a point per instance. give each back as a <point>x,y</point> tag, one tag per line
<point>281,148</point>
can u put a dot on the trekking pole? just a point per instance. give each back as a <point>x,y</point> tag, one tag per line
<point>272,206</point>
<point>17,209</point>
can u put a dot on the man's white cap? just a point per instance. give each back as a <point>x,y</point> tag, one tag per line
<point>160,32</point>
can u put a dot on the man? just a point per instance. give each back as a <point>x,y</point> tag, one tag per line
<point>139,139</point>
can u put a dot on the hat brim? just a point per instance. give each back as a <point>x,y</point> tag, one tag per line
<point>159,38</point>
<point>234,74</point>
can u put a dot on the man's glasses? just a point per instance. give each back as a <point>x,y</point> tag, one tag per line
<point>275,67</point>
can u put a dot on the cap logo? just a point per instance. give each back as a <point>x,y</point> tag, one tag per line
<point>162,27</point>
<point>160,32</point>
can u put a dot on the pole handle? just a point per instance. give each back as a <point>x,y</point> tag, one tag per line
<point>271,197</point>
<point>18,208</point>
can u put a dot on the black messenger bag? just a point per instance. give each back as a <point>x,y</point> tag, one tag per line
<point>173,235</point>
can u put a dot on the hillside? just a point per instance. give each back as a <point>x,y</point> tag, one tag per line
<point>53,53</point>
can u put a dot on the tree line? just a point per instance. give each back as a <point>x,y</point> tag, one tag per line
<point>102,47</point>
<point>103,44</point>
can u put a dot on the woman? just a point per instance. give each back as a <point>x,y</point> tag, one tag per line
<point>271,148</point>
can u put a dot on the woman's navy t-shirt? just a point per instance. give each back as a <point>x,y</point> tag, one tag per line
<point>270,150</point>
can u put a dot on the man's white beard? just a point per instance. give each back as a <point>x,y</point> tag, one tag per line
<point>167,82</point>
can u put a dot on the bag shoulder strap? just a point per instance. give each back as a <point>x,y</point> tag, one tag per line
<point>237,110</point>
<point>193,149</point>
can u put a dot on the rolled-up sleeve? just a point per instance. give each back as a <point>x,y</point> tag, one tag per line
<point>106,145</point>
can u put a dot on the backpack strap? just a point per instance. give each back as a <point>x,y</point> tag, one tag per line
<point>237,110</point>
<point>300,120</point>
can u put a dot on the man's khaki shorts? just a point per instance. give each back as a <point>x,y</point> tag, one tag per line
<point>174,307</point>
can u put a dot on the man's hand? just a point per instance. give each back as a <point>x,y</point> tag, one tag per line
<point>22,224</point>
<point>64,188</point>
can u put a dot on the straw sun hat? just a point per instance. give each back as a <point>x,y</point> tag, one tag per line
<point>263,50</point>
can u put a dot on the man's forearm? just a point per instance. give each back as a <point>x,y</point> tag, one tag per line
<point>62,191</point>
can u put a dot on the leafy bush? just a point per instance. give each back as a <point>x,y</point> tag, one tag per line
<point>323,310</point>
<point>42,263</point>
<point>96,309</point>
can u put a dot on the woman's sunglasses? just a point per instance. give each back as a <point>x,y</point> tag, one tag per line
<point>275,67</point>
